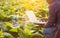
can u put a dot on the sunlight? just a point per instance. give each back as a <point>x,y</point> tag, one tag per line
<point>33,0</point>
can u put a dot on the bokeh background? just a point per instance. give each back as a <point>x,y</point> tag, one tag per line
<point>13,18</point>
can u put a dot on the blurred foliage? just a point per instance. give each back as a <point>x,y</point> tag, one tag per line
<point>18,7</point>
<point>12,20</point>
<point>8,31</point>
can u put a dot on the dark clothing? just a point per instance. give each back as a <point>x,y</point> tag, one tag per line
<point>54,17</point>
<point>54,14</point>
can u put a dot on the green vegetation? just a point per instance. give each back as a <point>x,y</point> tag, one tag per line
<point>12,23</point>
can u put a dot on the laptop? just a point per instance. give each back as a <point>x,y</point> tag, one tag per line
<point>32,18</point>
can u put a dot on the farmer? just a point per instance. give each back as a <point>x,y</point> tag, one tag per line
<point>52,29</point>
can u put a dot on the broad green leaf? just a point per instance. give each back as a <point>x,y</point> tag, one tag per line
<point>8,24</point>
<point>27,31</point>
<point>1,34</point>
<point>13,30</point>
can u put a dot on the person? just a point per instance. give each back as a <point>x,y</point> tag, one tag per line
<point>52,27</point>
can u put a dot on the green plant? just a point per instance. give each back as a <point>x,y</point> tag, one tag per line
<point>22,34</point>
<point>7,35</point>
<point>1,34</point>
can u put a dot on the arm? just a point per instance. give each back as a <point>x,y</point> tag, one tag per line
<point>52,16</point>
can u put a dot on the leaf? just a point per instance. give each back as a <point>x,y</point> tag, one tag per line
<point>27,31</point>
<point>7,35</point>
<point>1,34</point>
<point>22,34</point>
<point>8,24</point>
<point>13,30</point>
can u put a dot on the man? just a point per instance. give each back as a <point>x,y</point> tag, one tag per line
<point>53,25</point>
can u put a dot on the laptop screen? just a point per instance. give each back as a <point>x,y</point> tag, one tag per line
<point>31,16</point>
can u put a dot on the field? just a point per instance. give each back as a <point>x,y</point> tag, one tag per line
<point>14,22</point>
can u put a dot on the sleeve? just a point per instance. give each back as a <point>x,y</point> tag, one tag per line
<point>52,16</point>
